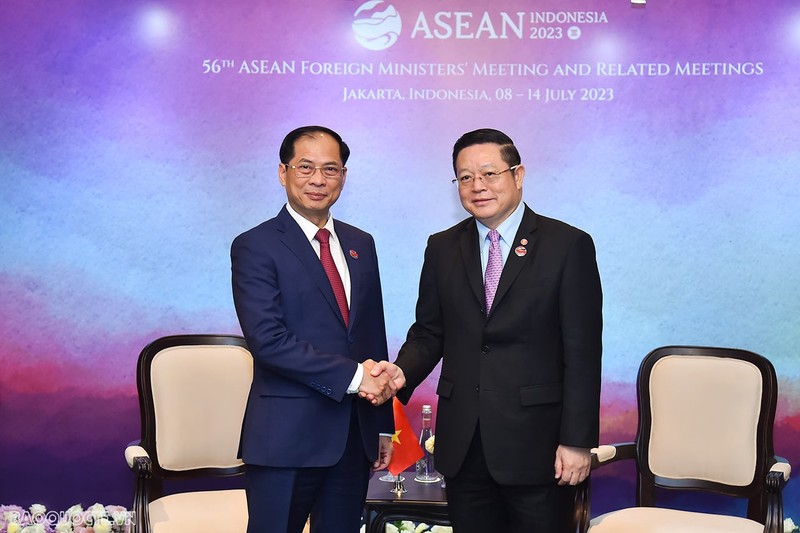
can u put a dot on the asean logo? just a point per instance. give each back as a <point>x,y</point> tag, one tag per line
<point>376,27</point>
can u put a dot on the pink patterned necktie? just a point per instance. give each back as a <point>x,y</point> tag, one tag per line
<point>325,257</point>
<point>494,267</point>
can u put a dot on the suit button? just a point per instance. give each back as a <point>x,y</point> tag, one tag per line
<point>477,389</point>
<point>485,350</point>
<point>328,391</point>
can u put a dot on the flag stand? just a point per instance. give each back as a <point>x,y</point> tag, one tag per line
<point>398,486</point>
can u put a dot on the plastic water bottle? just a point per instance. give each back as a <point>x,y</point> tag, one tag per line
<point>426,471</point>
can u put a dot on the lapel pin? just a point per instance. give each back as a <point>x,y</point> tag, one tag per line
<point>523,242</point>
<point>520,251</point>
<point>353,254</point>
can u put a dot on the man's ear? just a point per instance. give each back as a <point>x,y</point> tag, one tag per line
<point>282,173</point>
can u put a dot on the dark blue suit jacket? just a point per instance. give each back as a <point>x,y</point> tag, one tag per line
<point>298,412</point>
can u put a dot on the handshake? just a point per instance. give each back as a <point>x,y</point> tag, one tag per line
<point>380,381</point>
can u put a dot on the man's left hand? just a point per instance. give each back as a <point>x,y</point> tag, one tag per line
<point>385,450</point>
<point>572,464</point>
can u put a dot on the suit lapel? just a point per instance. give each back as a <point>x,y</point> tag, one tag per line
<point>514,262</point>
<point>471,259</point>
<point>294,239</point>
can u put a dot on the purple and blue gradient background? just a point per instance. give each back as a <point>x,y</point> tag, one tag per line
<point>126,172</point>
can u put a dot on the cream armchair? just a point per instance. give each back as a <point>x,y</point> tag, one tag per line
<point>192,395</point>
<point>705,424</point>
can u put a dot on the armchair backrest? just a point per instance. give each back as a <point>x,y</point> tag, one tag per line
<point>193,391</point>
<point>705,421</point>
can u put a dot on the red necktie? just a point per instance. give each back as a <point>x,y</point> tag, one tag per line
<point>326,258</point>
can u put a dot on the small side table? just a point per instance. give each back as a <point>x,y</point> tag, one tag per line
<point>424,502</point>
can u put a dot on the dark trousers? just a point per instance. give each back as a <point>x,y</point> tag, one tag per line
<point>477,503</point>
<point>281,499</point>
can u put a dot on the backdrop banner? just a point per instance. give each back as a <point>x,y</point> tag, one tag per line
<point>138,138</point>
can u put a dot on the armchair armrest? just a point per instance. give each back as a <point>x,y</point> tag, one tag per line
<point>602,455</point>
<point>782,465</point>
<point>139,461</point>
<point>611,453</point>
<point>777,478</point>
<point>134,452</point>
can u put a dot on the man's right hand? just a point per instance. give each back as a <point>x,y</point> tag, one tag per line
<point>376,387</point>
<point>380,370</point>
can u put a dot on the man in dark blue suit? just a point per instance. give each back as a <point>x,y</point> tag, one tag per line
<point>308,297</point>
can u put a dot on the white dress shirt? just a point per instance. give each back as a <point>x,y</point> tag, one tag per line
<point>507,230</point>
<point>310,230</point>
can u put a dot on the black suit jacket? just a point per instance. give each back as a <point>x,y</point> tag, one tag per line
<point>530,371</point>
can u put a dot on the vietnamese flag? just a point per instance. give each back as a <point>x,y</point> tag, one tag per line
<point>407,450</point>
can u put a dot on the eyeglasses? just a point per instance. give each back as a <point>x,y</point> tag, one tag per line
<point>305,170</point>
<point>486,177</point>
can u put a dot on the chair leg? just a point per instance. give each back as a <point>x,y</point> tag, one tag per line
<point>141,499</point>
<point>582,509</point>
<point>774,504</point>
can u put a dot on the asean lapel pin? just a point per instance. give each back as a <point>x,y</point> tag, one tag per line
<point>521,250</point>
<point>353,254</point>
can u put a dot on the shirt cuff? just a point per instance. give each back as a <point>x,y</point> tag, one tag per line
<point>354,384</point>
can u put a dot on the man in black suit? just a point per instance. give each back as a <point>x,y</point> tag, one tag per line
<point>510,302</point>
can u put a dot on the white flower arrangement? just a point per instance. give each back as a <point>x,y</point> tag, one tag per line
<point>407,526</point>
<point>37,519</point>
<point>789,526</point>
